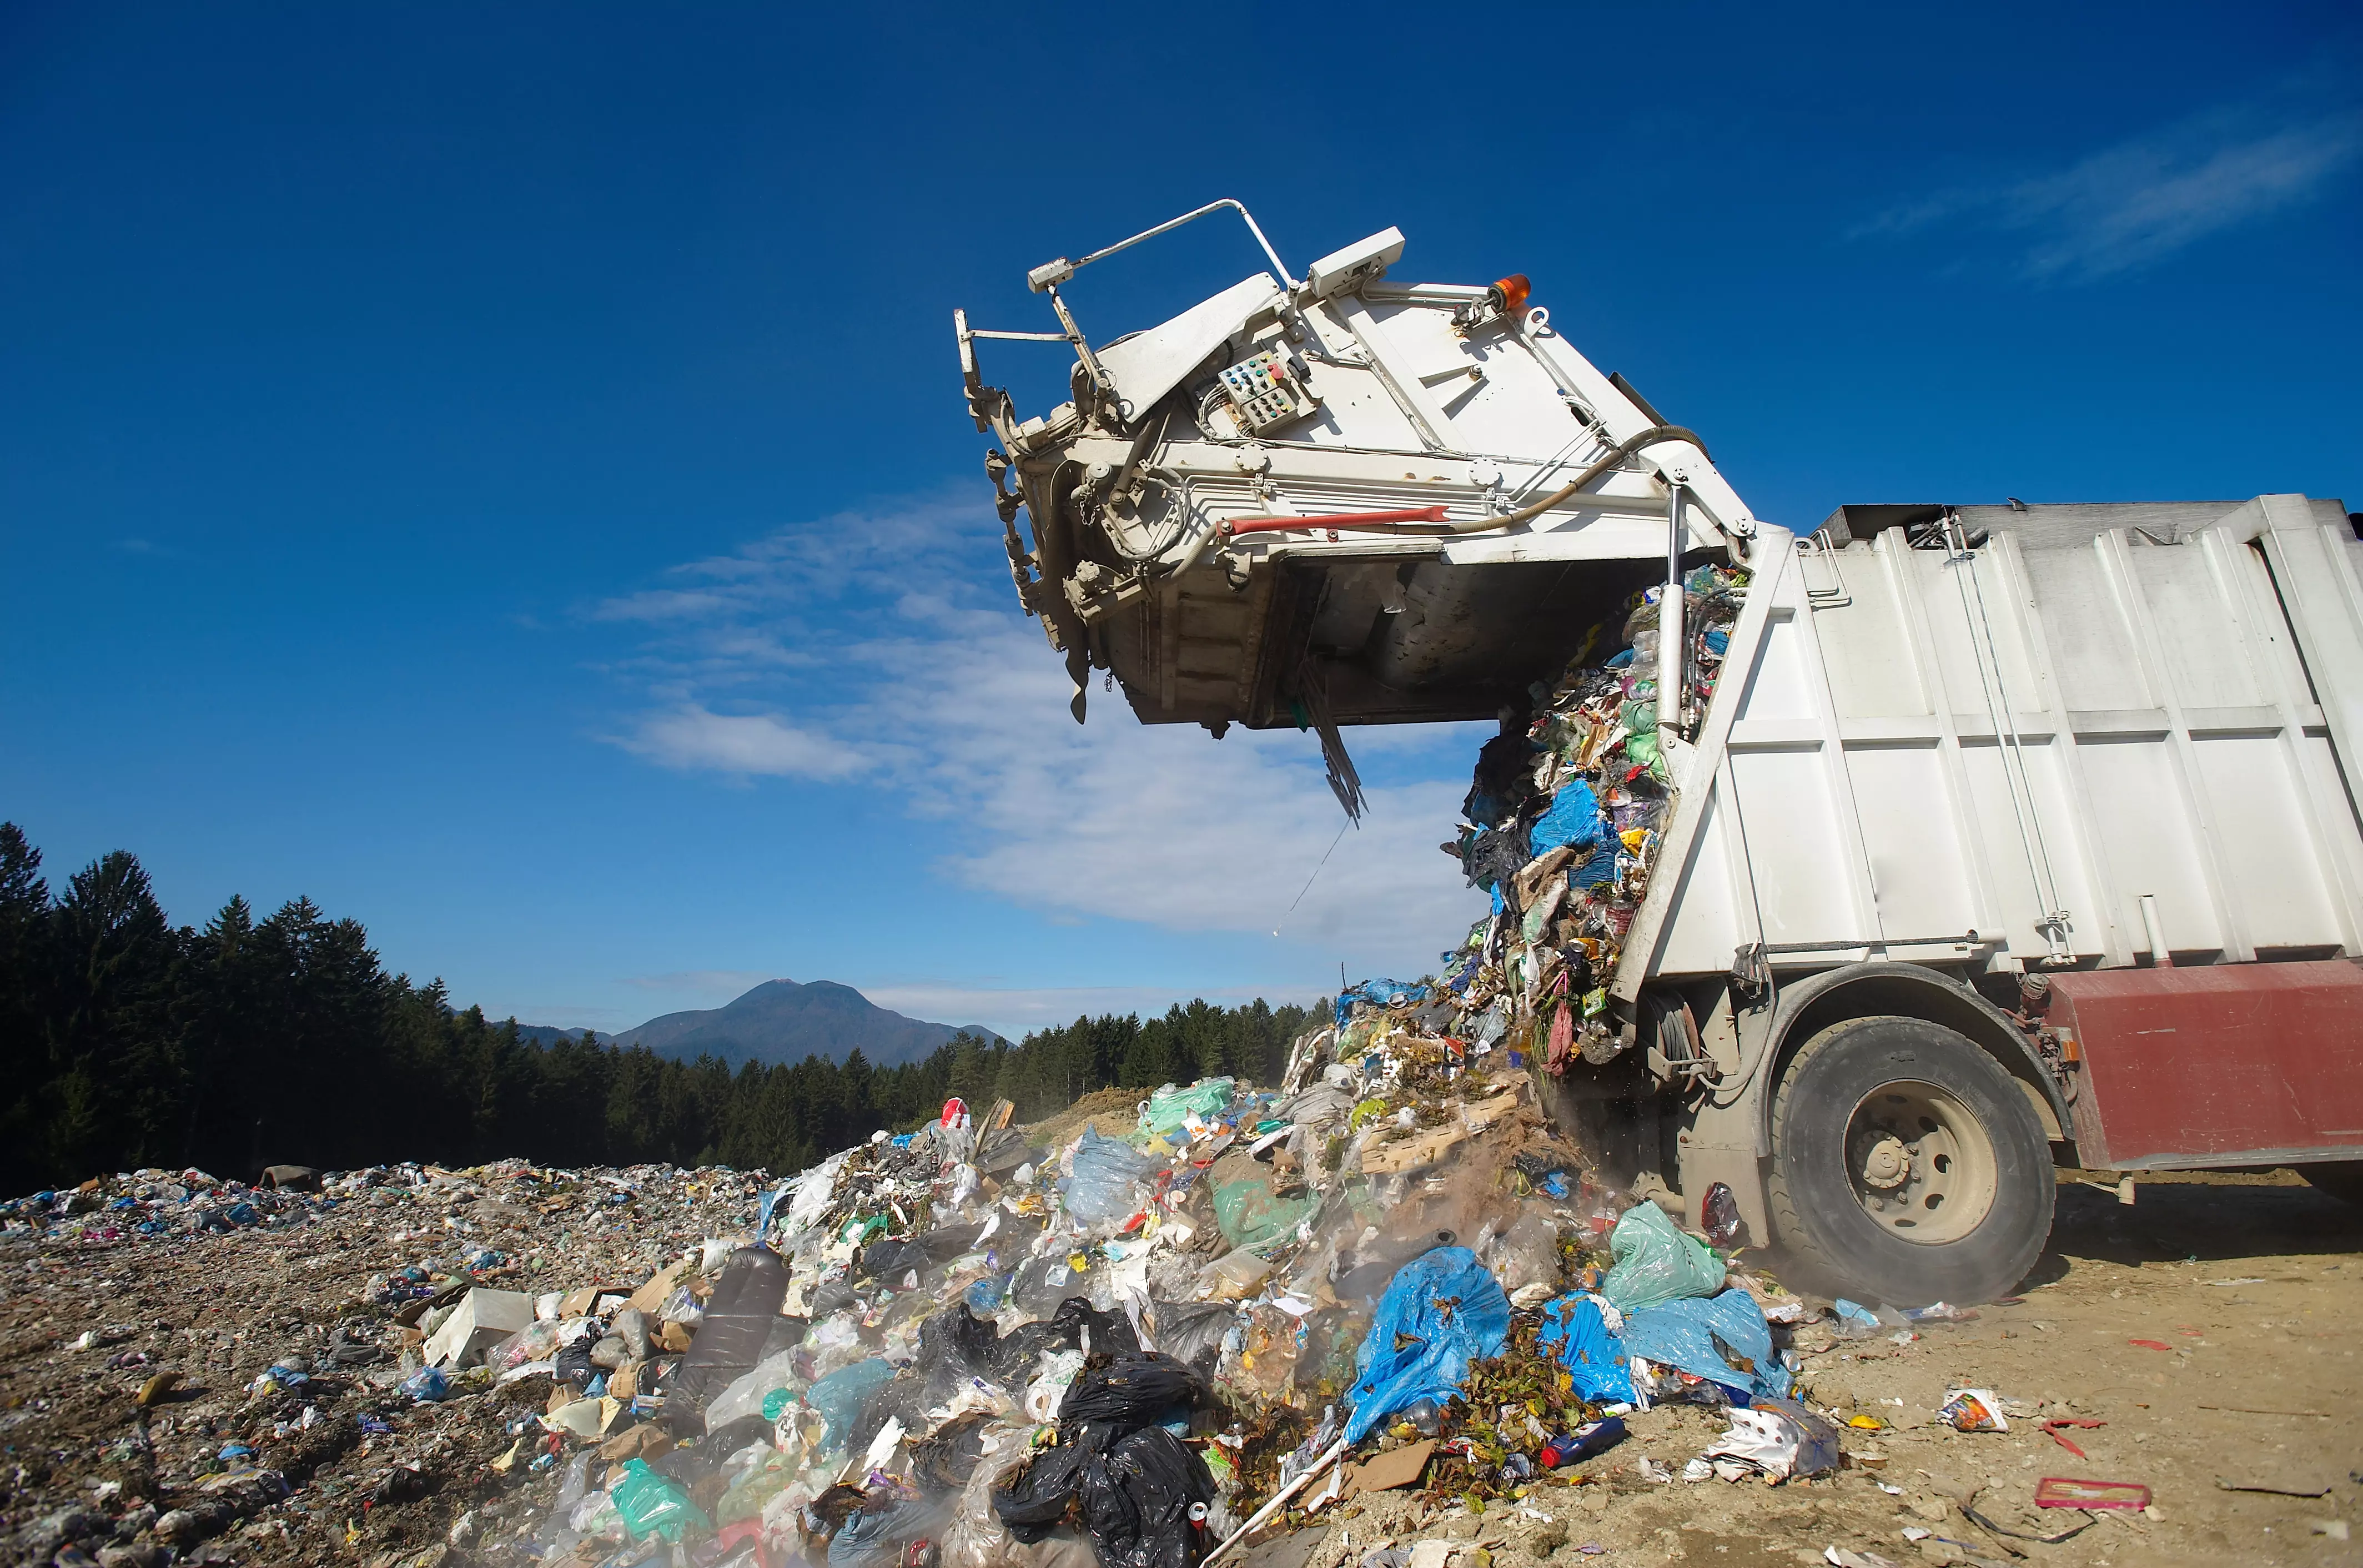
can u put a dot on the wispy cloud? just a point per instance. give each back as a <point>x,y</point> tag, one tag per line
<point>721,984</point>
<point>691,735</point>
<point>146,546</point>
<point>886,646</point>
<point>1011,1011</point>
<point>2134,203</point>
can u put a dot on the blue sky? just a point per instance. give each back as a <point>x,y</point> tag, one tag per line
<point>501,472</point>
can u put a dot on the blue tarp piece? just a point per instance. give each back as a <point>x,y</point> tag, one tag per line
<point>1575,1335</point>
<point>1682,1334</point>
<point>1446,1311</point>
<point>1379,994</point>
<point>1574,818</point>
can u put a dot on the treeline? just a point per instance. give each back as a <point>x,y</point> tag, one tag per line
<point>126,1041</point>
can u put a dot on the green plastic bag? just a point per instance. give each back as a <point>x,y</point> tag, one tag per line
<point>655,1505</point>
<point>1656,1263</point>
<point>1168,1108</point>
<point>1251,1217</point>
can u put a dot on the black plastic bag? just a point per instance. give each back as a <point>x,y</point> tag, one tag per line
<point>1192,1332</point>
<point>890,1260</point>
<point>1075,1320</point>
<point>1134,1496</point>
<point>1158,1477</point>
<point>1127,1391</point>
<point>1032,1499</point>
<point>944,1460</point>
<point>572,1365</point>
<point>955,1345</point>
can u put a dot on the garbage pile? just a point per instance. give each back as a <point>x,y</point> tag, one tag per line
<point>106,1210</point>
<point>1564,818</point>
<point>1124,1350</point>
<point>644,1206</point>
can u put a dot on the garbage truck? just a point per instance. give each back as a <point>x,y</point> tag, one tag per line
<point>2011,837</point>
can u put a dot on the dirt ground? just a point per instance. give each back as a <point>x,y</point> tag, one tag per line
<point>2248,1291</point>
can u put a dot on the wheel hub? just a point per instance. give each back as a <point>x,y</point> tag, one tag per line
<point>1887,1163</point>
<point>1922,1166</point>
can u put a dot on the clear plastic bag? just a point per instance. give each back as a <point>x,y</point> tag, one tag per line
<point>746,1396</point>
<point>975,1537</point>
<point>1049,1388</point>
<point>1108,1181</point>
<point>1656,1263</point>
<point>1527,1254</point>
<point>536,1341</point>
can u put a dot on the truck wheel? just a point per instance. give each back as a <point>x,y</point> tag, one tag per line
<point>2342,1179</point>
<point>1907,1164</point>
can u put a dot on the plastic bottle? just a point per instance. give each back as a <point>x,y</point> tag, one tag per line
<point>739,1317</point>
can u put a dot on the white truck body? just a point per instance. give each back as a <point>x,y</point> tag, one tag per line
<point>2007,835</point>
<point>1995,757</point>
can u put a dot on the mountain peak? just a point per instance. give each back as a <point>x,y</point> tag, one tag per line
<point>782,1021</point>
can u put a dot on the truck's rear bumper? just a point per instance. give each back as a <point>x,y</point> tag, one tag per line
<point>2233,1064</point>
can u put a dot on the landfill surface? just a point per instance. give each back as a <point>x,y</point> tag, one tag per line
<point>210,1373</point>
<point>1383,1313</point>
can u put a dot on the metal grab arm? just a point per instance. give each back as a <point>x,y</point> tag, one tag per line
<point>1048,276</point>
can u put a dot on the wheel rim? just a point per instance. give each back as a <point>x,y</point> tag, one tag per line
<point>1922,1166</point>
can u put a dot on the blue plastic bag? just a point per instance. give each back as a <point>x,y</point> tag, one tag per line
<point>1577,1338</point>
<point>1447,1310</point>
<point>1574,818</point>
<point>1682,1334</point>
<point>840,1396</point>
<point>1379,994</point>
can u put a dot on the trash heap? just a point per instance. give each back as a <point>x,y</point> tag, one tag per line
<point>1563,820</point>
<point>1125,1349</point>
<point>106,1210</point>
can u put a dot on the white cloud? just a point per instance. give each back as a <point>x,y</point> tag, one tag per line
<point>2136,202</point>
<point>695,736</point>
<point>889,644</point>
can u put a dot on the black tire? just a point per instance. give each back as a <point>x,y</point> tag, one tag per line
<point>2341,1179</point>
<point>1822,1214</point>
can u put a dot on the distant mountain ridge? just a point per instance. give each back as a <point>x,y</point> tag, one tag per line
<point>782,1021</point>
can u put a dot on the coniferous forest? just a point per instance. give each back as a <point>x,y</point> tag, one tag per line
<point>129,1041</point>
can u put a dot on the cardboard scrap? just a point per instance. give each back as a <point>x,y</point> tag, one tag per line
<point>1481,1114</point>
<point>1403,1467</point>
<point>644,1441</point>
<point>1409,1153</point>
<point>651,1296</point>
